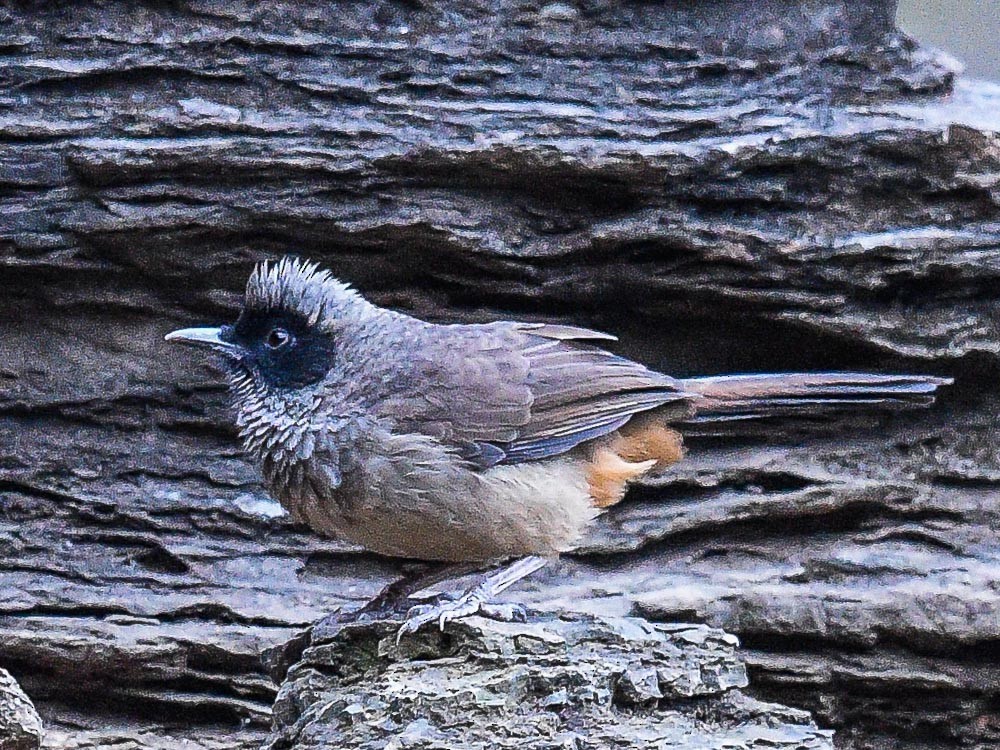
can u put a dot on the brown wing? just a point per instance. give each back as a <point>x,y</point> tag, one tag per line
<point>513,392</point>
<point>581,391</point>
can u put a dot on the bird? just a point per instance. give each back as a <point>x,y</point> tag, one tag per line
<point>483,448</point>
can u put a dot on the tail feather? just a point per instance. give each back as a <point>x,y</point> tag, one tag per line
<point>740,397</point>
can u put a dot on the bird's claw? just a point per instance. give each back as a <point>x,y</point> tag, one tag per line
<point>478,600</point>
<point>441,611</point>
<point>445,611</point>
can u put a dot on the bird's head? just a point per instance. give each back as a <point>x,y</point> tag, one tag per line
<point>285,342</point>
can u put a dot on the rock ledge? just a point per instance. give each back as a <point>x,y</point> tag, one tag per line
<point>550,683</point>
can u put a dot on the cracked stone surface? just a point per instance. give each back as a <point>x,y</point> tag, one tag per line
<point>727,186</point>
<point>549,683</point>
<point>20,725</point>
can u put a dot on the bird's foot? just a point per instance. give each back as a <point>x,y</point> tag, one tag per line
<point>476,601</point>
<point>446,610</point>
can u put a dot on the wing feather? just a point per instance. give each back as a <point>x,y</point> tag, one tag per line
<point>514,392</point>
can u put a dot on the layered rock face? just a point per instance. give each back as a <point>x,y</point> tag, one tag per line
<point>727,186</point>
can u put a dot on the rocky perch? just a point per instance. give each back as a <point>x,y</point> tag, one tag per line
<point>570,682</point>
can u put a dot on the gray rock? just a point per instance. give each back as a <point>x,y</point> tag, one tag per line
<point>549,683</point>
<point>20,725</point>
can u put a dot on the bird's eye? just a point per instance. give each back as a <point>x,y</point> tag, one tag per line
<point>277,338</point>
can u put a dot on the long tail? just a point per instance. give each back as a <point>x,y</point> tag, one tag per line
<point>727,398</point>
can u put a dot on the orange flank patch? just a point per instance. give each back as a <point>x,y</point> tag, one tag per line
<point>608,473</point>
<point>652,440</point>
<point>632,452</point>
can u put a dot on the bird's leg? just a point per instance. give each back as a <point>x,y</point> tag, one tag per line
<point>477,600</point>
<point>395,591</point>
<point>414,579</point>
